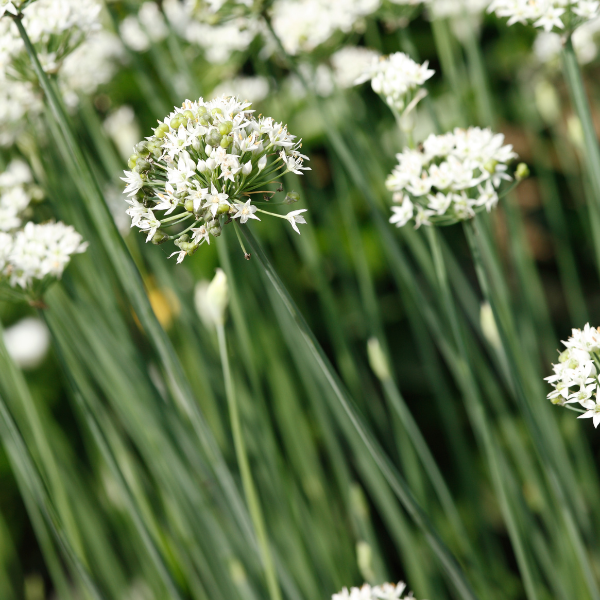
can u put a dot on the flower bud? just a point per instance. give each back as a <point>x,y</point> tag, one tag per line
<point>222,209</point>
<point>225,141</point>
<point>132,161</point>
<point>489,327</point>
<point>262,163</point>
<point>189,114</point>
<point>142,149</point>
<point>490,166</point>
<point>214,138</point>
<point>214,227</point>
<point>201,166</point>
<point>522,172</point>
<point>216,111</point>
<point>291,197</point>
<point>212,300</point>
<point>202,110</point>
<point>189,205</point>
<point>196,144</point>
<point>211,164</point>
<point>225,128</point>
<point>161,131</point>
<point>141,165</point>
<point>159,237</point>
<point>247,168</point>
<point>377,359</point>
<point>208,149</point>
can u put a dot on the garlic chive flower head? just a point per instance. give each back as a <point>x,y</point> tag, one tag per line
<point>203,168</point>
<point>17,191</point>
<point>396,78</point>
<point>575,378</point>
<point>36,256</point>
<point>549,15</point>
<point>387,591</point>
<point>450,178</point>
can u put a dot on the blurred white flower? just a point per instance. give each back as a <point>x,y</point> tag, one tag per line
<point>451,178</point>
<point>386,591</point>
<point>350,62</point>
<point>546,14</point>
<point>396,77</point>
<point>27,342</point>
<point>253,89</point>
<point>123,129</point>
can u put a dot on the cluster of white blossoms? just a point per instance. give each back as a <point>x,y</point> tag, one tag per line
<point>396,78</point>
<point>451,177</point>
<point>547,14</point>
<point>302,25</point>
<point>37,255</point>
<point>206,165</point>
<point>575,378</point>
<point>17,190</point>
<point>387,591</point>
<point>586,39</point>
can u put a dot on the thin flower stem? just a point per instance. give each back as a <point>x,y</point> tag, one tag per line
<point>582,107</point>
<point>247,481</point>
<point>579,410</point>
<point>480,419</point>
<point>394,479</point>
<point>236,227</point>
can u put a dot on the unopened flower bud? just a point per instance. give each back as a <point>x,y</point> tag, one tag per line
<point>291,197</point>
<point>488,326</point>
<point>141,165</point>
<point>214,138</point>
<point>214,228</point>
<point>225,141</point>
<point>132,161</point>
<point>225,128</point>
<point>196,144</point>
<point>490,166</point>
<point>522,172</point>
<point>223,209</point>
<point>212,300</point>
<point>377,359</point>
<point>208,149</point>
<point>247,168</point>
<point>161,131</point>
<point>189,205</point>
<point>211,164</point>
<point>142,149</point>
<point>159,237</point>
<point>262,163</point>
<point>201,166</point>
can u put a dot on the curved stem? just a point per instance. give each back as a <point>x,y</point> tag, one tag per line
<point>247,481</point>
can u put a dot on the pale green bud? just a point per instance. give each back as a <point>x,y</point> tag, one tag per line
<point>159,237</point>
<point>490,166</point>
<point>488,325</point>
<point>291,197</point>
<point>377,359</point>
<point>212,299</point>
<point>522,172</point>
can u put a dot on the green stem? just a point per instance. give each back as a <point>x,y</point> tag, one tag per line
<point>247,481</point>
<point>395,481</point>
<point>582,107</point>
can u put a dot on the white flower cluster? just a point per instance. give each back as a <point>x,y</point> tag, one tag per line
<point>387,591</point>
<point>351,63</point>
<point>450,178</point>
<point>547,14</point>
<point>148,27</point>
<point>218,40</point>
<point>548,45</point>
<point>575,376</point>
<point>396,78</point>
<point>302,25</point>
<point>17,190</point>
<point>36,255</point>
<point>203,166</point>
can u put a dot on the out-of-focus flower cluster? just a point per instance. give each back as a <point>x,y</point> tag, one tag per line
<point>70,43</point>
<point>17,190</point>
<point>450,178</point>
<point>396,78</point>
<point>203,166</point>
<point>35,255</point>
<point>575,378</point>
<point>387,591</point>
<point>547,14</point>
<point>548,45</point>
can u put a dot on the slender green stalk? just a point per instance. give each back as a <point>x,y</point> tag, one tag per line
<point>393,478</point>
<point>246,473</point>
<point>579,98</point>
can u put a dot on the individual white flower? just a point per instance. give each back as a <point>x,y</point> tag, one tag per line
<point>546,14</point>
<point>8,6</point>
<point>592,409</point>
<point>295,217</point>
<point>389,591</point>
<point>350,63</point>
<point>396,78</point>
<point>451,178</point>
<point>245,211</point>
<point>134,182</point>
<point>215,200</point>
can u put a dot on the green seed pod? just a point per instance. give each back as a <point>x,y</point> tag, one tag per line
<point>202,110</point>
<point>213,138</point>
<point>176,121</point>
<point>291,197</point>
<point>159,237</point>
<point>132,161</point>
<point>189,114</point>
<point>225,128</point>
<point>204,120</point>
<point>214,228</point>
<point>189,205</point>
<point>216,111</point>
<point>222,209</point>
<point>522,172</point>
<point>225,141</point>
<point>490,166</point>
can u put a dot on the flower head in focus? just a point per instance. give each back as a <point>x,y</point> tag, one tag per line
<point>550,15</point>
<point>450,178</point>
<point>575,377</point>
<point>397,78</point>
<point>386,591</point>
<point>208,164</point>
